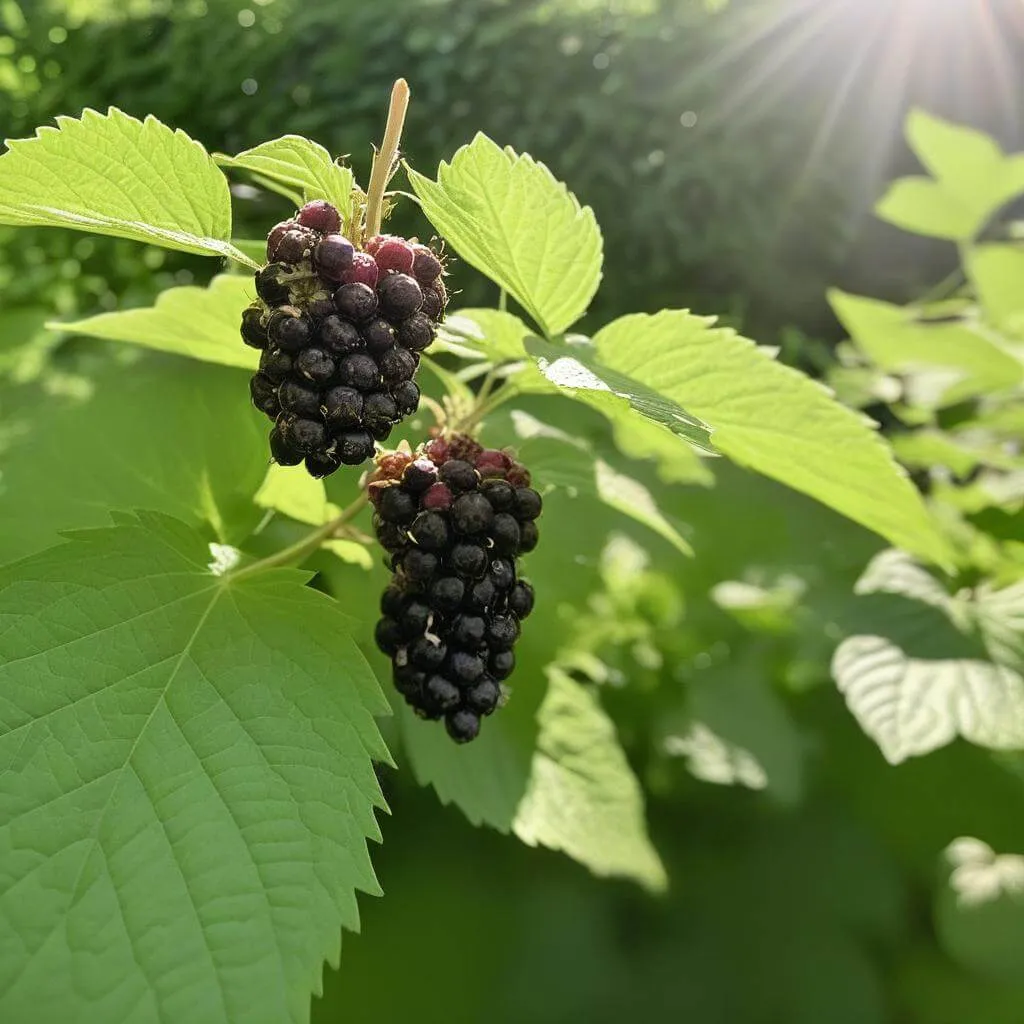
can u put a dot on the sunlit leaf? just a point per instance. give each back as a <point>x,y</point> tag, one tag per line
<point>996,271</point>
<point>114,175</point>
<point>576,370</point>
<point>293,164</point>
<point>773,419</point>
<point>918,672</point>
<point>507,215</point>
<point>973,178</point>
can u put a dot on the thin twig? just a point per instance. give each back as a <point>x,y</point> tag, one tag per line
<point>298,551</point>
<point>385,158</point>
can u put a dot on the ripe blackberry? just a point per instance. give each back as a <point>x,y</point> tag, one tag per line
<point>298,398</point>
<point>407,397</point>
<point>288,329</point>
<point>340,331</point>
<point>453,517</point>
<point>416,333</point>
<point>264,393</point>
<point>254,333</point>
<point>356,301</point>
<point>339,336</point>
<point>343,408</point>
<point>462,725</point>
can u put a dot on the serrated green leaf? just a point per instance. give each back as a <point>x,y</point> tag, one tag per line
<point>200,323</point>
<point>114,175</point>
<point>575,370</point>
<point>564,461</point>
<point>579,764</point>
<point>773,419</point>
<point>896,340</point>
<point>492,333</point>
<point>973,179</point>
<point>979,911</point>
<point>188,782</point>
<point>159,436</point>
<point>293,164</point>
<point>507,216</point>
<point>996,271</point>
<point>918,672</point>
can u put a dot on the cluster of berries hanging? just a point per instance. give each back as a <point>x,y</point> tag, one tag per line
<point>341,331</point>
<point>453,517</point>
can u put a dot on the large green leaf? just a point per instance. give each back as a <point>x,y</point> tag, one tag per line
<point>508,216</point>
<point>201,323</point>
<point>773,419</point>
<point>562,782</point>
<point>973,178</point>
<point>298,168</point>
<point>575,369</point>
<point>114,175</point>
<point>896,340</point>
<point>188,782</point>
<point>922,667</point>
<point>159,435</point>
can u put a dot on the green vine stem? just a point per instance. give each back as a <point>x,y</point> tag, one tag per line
<point>297,552</point>
<point>386,158</point>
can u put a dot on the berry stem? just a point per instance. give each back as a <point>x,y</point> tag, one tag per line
<point>385,158</point>
<point>297,552</point>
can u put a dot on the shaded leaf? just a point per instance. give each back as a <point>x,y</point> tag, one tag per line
<point>979,911</point>
<point>565,461</point>
<point>186,754</point>
<point>200,456</point>
<point>200,323</point>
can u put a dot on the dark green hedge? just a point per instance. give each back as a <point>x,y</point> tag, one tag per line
<point>707,215</point>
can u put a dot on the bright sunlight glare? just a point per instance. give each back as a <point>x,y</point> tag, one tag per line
<point>859,64</point>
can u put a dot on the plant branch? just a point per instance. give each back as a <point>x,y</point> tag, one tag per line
<point>298,551</point>
<point>385,158</point>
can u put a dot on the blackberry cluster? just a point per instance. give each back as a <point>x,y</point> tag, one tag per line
<point>341,331</point>
<point>454,518</point>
